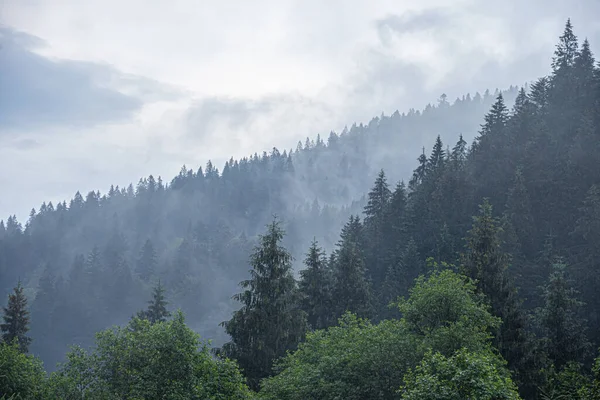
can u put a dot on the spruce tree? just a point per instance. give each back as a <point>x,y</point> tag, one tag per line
<point>270,323</point>
<point>486,263</point>
<point>352,290</point>
<point>376,211</point>
<point>16,319</point>
<point>315,288</point>
<point>495,120</point>
<point>157,307</point>
<point>566,50</point>
<point>563,331</point>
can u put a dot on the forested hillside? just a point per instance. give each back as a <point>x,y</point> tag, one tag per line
<point>90,262</point>
<point>488,255</point>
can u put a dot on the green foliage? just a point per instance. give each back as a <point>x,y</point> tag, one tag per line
<point>464,375</point>
<point>164,360</point>
<point>360,360</point>
<point>355,360</point>
<point>445,311</point>
<point>21,376</point>
<point>567,383</point>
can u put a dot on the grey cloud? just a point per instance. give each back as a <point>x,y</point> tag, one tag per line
<point>40,92</point>
<point>410,22</point>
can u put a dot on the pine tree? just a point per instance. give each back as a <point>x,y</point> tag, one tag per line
<point>146,263</point>
<point>495,120</point>
<point>16,319</point>
<point>315,288</point>
<point>157,307</point>
<point>486,263</point>
<point>564,332</point>
<point>566,50</point>
<point>269,323</point>
<point>376,211</point>
<point>352,291</point>
<point>438,155</point>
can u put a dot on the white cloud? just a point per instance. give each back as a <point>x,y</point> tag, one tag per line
<point>252,75</point>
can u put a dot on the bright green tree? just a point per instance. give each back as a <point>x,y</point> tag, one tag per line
<point>21,375</point>
<point>360,360</point>
<point>464,375</point>
<point>165,360</point>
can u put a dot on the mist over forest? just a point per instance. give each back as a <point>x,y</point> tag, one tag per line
<point>389,260</point>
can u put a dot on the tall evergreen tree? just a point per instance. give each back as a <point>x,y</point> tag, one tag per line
<point>157,307</point>
<point>352,290</point>
<point>485,262</point>
<point>565,339</point>
<point>16,319</point>
<point>270,322</point>
<point>376,211</point>
<point>315,288</point>
<point>566,50</point>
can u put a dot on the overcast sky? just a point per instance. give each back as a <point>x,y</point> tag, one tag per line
<point>100,92</point>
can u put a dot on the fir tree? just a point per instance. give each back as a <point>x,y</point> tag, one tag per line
<point>352,291</point>
<point>563,331</point>
<point>157,307</point>
<point>437,158</point>
<point>486,263</point>
<point>495,120</point>
<point>16,319</point>
<point>269,323</point>
<point>315,288</point>
<point>566,50</point>
<point>376,211</point>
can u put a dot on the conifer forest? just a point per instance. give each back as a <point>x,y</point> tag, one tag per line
<point>466,269</point>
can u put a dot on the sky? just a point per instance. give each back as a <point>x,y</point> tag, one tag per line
<point>94,93</point>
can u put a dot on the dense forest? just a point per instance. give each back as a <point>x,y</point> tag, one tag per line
<point>477,277</point>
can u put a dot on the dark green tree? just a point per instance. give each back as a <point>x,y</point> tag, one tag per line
<point>315,288</point>
<point>486,263</point>
<point>376,212</point>
<point>16,319</point>
<point>157,307</point>
<point>352,290</point>
<point>563,331</point>
<point>270,322</point>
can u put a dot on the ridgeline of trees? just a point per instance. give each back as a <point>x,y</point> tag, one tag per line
<point>478,278</point>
